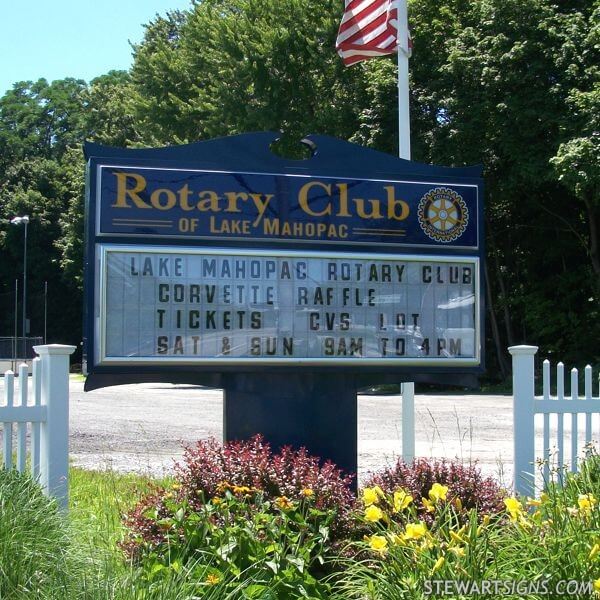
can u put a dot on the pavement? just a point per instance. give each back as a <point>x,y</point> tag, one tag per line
<point>143,428</point>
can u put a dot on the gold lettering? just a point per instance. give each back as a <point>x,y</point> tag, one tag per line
<point>209,201</point>
<point>271,226</point>
<point>184,196</point>
<point>261,206</point>
<point>360,209</point>
<point>232,200</point>
<point>155,199</point>
<point>123,191</point>
<point>343,211</point>
<point>392,203</point>
<point>303,198</point>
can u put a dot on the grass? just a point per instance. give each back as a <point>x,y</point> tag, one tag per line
<point>97,569</point>
<point>47,555</point>
<point>33,542</point>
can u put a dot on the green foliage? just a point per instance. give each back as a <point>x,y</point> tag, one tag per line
<point>536,542</point>
<point>280,545</point>
<point>241,544</point>
<point>511,84</point>
<point>238,512</point>
<point>42,127</point>
<point>231,66</point>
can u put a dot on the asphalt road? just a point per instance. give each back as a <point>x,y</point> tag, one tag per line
<point>143,427</point>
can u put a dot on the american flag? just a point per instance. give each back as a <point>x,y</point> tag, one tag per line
<point>369,28</point>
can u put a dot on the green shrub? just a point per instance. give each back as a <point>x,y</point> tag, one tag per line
<point>467,487</point>
<point>532,543</point>
<point>240,512</point>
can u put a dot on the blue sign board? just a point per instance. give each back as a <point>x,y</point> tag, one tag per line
<point>220,257</point>
<point>202,204</point>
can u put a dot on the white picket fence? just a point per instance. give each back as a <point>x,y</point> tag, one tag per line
<point>43,409</point>
<point>562,443</point>
<point>407,390</point>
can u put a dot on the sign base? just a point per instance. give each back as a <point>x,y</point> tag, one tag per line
<point>317,411</point>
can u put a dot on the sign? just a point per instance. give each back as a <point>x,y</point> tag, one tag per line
<point>220,258</point>
<point>195,306</point>
<point>197,204</point>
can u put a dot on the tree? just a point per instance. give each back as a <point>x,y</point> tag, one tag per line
<point>491,85</point>
<point>42,128</point>
<point>40,119</point>
<point>231,66</point>
<point>577,161</point>
<point>512,84</point>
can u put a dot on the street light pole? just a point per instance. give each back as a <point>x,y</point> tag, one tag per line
<point>24,220</point>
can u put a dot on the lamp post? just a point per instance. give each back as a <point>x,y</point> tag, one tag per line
<point>24,220</point>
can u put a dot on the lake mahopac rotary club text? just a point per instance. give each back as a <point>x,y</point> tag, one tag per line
<point>236,306</point>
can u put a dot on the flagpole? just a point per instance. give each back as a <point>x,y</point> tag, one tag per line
<point>403,107</point>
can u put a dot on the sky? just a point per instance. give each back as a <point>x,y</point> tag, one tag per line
<point>55,39</point>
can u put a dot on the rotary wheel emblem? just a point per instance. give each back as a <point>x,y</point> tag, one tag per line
<point>443,215</point>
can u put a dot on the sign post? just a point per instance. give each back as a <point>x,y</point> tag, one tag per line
<point>290,284</point>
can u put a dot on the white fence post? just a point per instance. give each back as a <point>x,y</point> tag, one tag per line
<point>408,421</point>
<point>523,418</point>
<point>7,427</point>
<point>54,432</point>
<point>22,426</point>
<point>36,385</point>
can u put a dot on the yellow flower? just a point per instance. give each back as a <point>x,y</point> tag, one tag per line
<point>222,486</point>
<point>533,502</point>
<point>427,505</point>
<point>373,513</point>
<point>401,500</point>
<point>597,586</point>
<point>458,503</point>
<point>547,523</point>
<point>438,492</point>
<point>307,493</point>
<point>427,544</point>
<point>212,579</point>
<point>415,531</point>
<point>459,552</point>
<point>216,501</point>
<point>372,495</point>
<point>283,503</point>
<point>586,503</point>
<point>513,506</point>
<point>241,489</point>
<point>594,551</point>
<point>525,522</point>
<point>378,543</point>
<point>439,563</point>
<point>456,538</point>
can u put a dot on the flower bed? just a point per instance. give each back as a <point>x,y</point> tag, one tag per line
<point>280,525</point>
